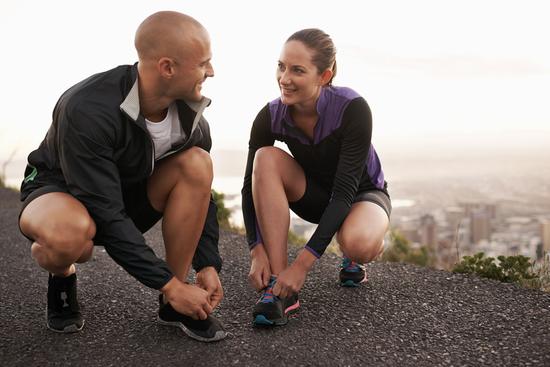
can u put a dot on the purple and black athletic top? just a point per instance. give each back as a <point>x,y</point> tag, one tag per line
<point>340,157</point>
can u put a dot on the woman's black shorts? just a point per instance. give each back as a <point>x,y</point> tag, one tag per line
<point>312,205</point>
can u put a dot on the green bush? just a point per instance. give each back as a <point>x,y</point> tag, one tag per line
<point>401,251</point>
<point>223,213</point>
<point>509,269</point>
<point>542,281</point>
<point>295,239</point>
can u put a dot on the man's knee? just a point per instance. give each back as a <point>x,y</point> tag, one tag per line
<point>195,165</point>
<point>67,239</point>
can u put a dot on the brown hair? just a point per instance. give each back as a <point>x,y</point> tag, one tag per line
<point>324,51</point>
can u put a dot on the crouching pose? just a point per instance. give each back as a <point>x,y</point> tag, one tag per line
<point>127,147</point>
<point>333,178</point>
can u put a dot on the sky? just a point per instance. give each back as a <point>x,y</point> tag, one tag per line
<point>438,75</point>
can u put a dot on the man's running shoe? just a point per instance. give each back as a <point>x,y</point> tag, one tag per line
<point>209,330</point>
<point>352,274</point>
<point>63,313</point>
<point>271,310</point>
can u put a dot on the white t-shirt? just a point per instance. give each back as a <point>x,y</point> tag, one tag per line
<point>167,132</point>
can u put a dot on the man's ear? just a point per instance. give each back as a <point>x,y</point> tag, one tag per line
<point>326,76</point>
<point>165,67</point>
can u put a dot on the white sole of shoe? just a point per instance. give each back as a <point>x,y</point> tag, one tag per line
<point>219,334</point>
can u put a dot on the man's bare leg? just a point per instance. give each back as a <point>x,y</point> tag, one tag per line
<point>180,189</point>
<point>62,231</point>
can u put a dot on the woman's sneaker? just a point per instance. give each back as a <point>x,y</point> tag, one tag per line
<point>63,313</point>
<point>209,330</point>
<point>352,274</point>
<point>271,310</point>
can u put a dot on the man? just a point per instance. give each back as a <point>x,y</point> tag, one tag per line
<point>127,147</point>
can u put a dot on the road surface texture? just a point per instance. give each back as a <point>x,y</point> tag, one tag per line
<point>404,316</point>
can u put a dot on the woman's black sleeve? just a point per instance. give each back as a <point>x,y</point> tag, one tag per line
<point>356,140</point>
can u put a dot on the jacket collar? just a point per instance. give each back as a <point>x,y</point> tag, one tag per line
<point>130,105</point>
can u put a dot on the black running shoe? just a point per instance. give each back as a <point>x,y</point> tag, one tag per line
<point>209,330</point>
<point>271,310</point>
<point>63,313</point>
<point>352,274</point>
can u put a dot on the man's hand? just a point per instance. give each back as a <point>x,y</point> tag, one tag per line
<point>291,280</point>
<point>187,299</point>
<point>209,280</point>
<point>260,270</point>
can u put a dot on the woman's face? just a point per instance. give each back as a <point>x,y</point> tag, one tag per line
<point>298,78</point>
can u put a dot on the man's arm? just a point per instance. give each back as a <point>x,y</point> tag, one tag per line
<point>207,253</point>
<point>86,158</point>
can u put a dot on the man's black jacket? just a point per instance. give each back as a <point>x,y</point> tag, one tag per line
<point>97,145</point>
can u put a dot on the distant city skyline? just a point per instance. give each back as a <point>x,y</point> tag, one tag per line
<point>438,75</point>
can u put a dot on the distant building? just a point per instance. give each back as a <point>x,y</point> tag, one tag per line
<point>480,225</point>
<point>428,231</point>
<point>455,217</point>
<point>472,206</point>
<point>409,229</point>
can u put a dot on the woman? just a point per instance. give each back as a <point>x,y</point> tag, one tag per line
<point>333,177</point>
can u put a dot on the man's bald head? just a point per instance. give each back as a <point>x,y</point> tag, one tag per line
<point>163,34</point>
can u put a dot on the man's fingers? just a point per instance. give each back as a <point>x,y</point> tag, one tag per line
<point>208,308</point>
<point>210,291</point>
<point>202,315</point>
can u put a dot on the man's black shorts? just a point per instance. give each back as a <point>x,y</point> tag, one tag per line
<point>136,202</point>
<point>312,205</point>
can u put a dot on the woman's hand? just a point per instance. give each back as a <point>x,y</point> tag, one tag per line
<point>260,270</point>
<point>291,280</point>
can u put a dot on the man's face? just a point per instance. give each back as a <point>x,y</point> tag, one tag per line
<point>193,67</point>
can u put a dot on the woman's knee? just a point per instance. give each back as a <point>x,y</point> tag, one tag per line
<point>267,159</point>
<point>361,249</point>
<point>273,166</point>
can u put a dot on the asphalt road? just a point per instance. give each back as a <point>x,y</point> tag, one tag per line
<point>403,316</point>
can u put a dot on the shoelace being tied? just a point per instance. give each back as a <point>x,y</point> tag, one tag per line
<point>268,296</point>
